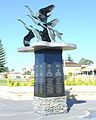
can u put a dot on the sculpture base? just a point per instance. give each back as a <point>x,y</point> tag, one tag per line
<point>51,105</point>
<point>52,45</point>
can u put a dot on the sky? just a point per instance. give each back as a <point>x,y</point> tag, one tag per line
<point>77,22</point>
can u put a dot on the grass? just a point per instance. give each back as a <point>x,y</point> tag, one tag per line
<point>9,82</point>
<point>3,82</point>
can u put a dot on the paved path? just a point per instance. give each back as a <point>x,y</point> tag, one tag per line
<point>22,110</point>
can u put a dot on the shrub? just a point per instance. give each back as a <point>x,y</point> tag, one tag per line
<point>78,81</point>
<point>69,75</point>
<point>12,83</point>
<point>23,83</point>
<point>16,83</point>
<point>31,82</point>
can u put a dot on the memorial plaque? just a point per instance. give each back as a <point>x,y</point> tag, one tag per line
<point>49,86</point>
<point>59,89</point>
<point>40,89</point>
<point>41,86</point>
<point>36,90</point>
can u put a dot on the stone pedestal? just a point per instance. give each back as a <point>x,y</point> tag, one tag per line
<point>50,105</point>
<point>49,92</point>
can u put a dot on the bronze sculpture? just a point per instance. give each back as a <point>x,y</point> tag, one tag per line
<point>40,18</point>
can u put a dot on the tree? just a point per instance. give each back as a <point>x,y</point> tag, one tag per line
<point>2,58</point>
<point>28,72</point>
<point>84,61</point>
<point>69,58</point>
<point>12,70</point>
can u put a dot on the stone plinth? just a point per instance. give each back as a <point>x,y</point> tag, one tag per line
<point>50,105</point>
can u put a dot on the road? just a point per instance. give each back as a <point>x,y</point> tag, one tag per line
<point>22,110</point>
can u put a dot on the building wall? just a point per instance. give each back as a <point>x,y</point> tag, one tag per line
<point>71,69</point>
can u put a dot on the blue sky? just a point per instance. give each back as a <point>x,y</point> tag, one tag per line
<point>77,23</point>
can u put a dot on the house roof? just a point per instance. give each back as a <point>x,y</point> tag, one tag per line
<point>89,68</point>
<point>72,64</point>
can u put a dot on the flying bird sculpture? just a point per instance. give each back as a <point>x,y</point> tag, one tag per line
<point>40,18</point>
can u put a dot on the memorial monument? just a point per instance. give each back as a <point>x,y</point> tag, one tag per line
<point>49,91</point>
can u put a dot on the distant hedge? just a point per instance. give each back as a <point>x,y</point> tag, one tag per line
<point>12,83</point>
<point>79,81</point>
<point>68,82</point>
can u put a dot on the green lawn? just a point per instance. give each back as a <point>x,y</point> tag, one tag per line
<point>11,83</point>
<point>3,82</point>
